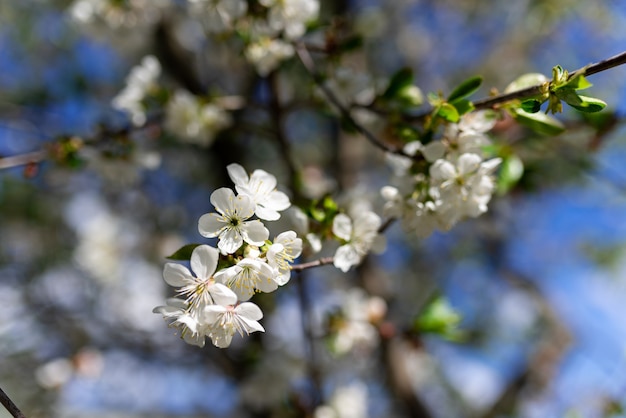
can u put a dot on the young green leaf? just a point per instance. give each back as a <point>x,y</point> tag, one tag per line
<point>400,80</point>
<point>569,96</point>
<point>531,105</point>
<point>183,253</point>
<point>539,122</point>
<point>463,106</point>
<point>466,88</point>
<point>510,173</point>
<point>578,83</point>
<point>589,104</point>
<point>525,81</point>
<point>448,112</point>
<point>439,318</point>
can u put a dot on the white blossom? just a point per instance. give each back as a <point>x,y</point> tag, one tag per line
<point>291,16</point>
<point>226,320</point>
<point>261,188</point>
<point>191,330</point>
<point>267,53</point>
<point>139,82</point>
<point>356,327</point>
<point>359,231</point>
<point>195,122</point>
<point>284,250</point>
<point>231,223</point>
<point>348,401</point>
<point>247,276</point>
<point>219,15</point>
<point>463,188</point>
<point>198,285</point>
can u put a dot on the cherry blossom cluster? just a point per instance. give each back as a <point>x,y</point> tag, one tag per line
<point>457,182</point>
<point>213,296</point>
<point>190,118</point>
<point>269,29</point>
<point>359,233</point>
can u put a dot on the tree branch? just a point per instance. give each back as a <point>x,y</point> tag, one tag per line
<point>309,65</point>
<point>490,102</point>
<point>10,406</point>
<point>23,159</point>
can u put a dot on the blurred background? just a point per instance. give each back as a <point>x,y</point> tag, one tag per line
<point>539,281</point>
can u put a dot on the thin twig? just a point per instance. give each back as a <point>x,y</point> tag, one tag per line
<point>591,69</point>
<point>309,65</point>
<point>10,406</point>
<point>23,159</point>
<point>316,263</point>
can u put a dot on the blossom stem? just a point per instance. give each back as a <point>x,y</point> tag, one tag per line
<point>316,263</point>
<point>10,406</point>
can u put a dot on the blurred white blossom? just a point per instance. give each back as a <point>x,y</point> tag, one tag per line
<point>139,82</point>
<point>194,121</point>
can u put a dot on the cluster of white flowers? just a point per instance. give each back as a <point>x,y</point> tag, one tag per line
<point>271,38</point>
<point>219,16</point>
<point>214,301</point>
<point>354,326</point>
<point>350,401</point>
<point>194,121</point>
<point>458,184</point>
<point>117,14</point>
<point>359,232</point>
<point>139,82</point>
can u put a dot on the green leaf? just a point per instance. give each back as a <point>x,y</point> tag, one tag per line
<point>531,105</point>
<point>525,81</point>
<point>589,104</point>
<point>411,96</point>
<point>578,83</point>
<point>439,318</point>
<point>466,88</point>
<point>448,112</point>
<point>569,96</point>
<point>400,80</point>
<point>539,122</point>
<point>559,76</point>
<point>183,253</point>
<point>463,106</point>
<point>511,172</point>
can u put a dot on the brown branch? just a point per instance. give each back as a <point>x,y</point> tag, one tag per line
<point>23,159</point>
<point>316,263</point>
<point>10,406</point>
<point>591,69</point>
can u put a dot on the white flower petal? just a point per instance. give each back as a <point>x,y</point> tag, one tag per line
<point>255,233</point>
<point>222,295</point>
<point>468,163</point>
<point>210,225</point>
<point>342,226</point>
<point>230,241</point>
<point>176,275</point>
<point>266,214</point>
<point>204,261</point>
<point>249,310</point>
<point>222,199</point>
<point>237,174</point>
<point>346,257</point>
